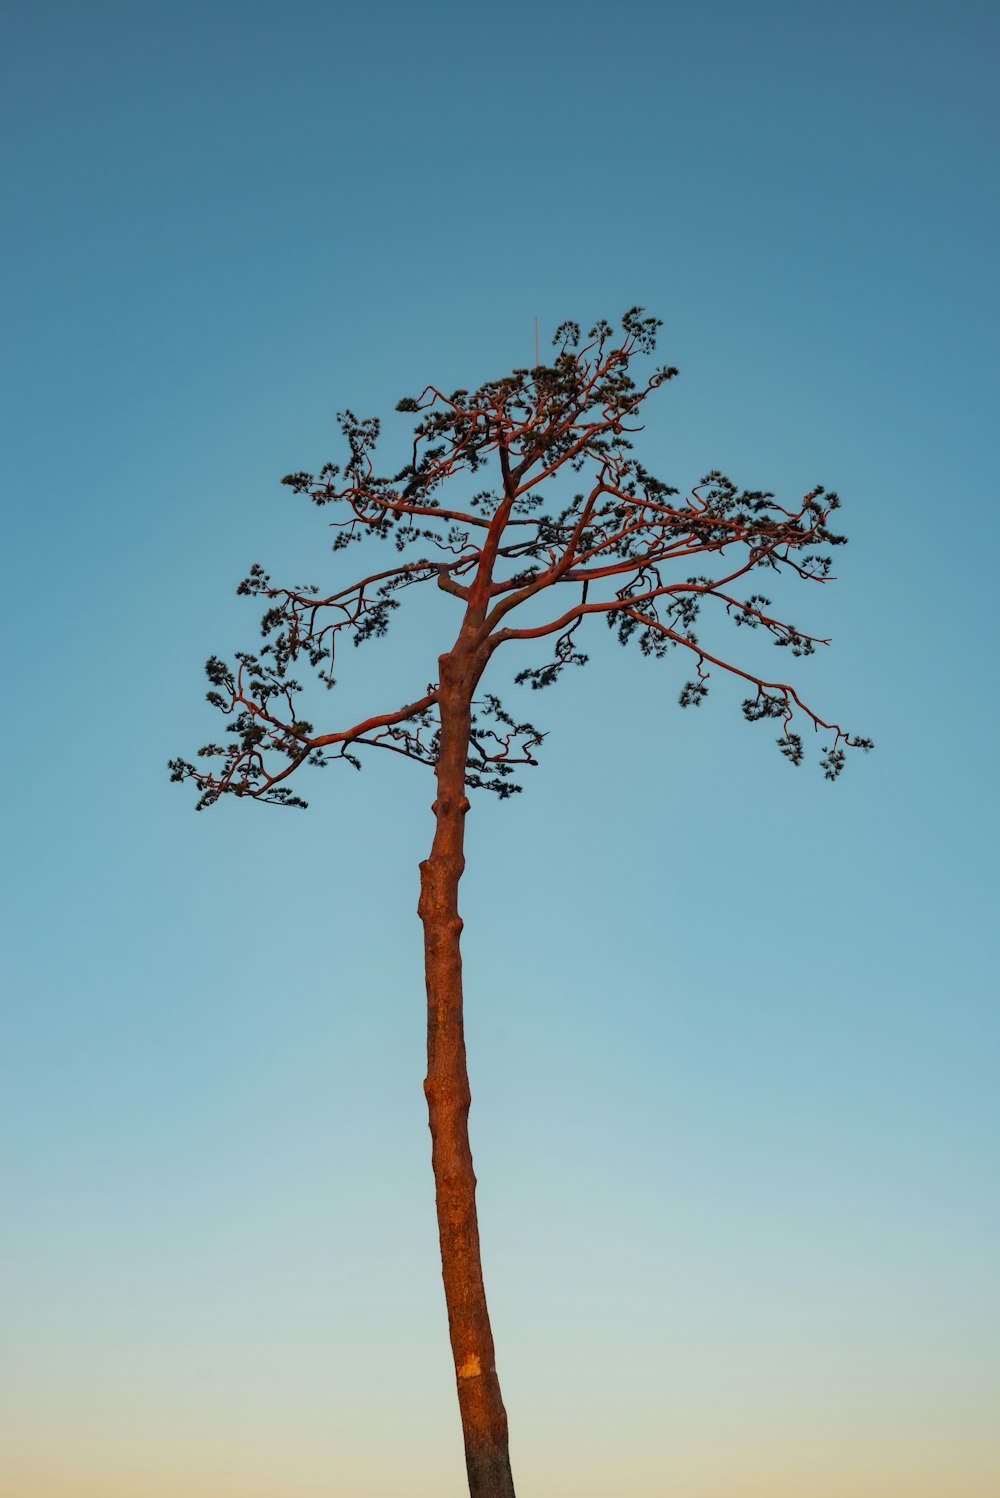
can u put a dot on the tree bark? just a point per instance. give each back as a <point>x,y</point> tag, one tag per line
<point>484,1419</point>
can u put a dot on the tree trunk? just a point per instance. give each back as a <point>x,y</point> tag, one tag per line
<point>484,1419</point>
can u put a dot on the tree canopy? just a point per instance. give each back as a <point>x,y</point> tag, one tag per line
<point>527,484</point>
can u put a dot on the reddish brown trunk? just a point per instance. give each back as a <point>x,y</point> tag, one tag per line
<point>484,1419</point>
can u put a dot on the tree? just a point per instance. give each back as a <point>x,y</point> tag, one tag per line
<point>622,546</point>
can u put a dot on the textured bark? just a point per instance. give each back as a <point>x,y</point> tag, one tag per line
<point>484,1419</point>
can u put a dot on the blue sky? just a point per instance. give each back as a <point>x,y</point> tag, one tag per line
<point>732,1031</point>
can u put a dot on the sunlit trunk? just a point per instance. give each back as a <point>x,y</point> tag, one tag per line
<point>484,1419</point>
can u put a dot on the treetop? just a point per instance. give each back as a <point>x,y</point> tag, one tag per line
<point>568,514</point>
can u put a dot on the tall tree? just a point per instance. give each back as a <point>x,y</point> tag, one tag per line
<point>613,541</point>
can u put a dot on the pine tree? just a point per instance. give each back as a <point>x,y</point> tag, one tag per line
<point>568,526</point>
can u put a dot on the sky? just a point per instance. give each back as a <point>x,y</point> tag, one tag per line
<point>732,1029</point>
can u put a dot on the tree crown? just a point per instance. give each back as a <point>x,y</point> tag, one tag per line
<point>613,540</point>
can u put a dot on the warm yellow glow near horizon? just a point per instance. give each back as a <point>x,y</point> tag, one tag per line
<point>167,1456</point>
<point>785,1475</point>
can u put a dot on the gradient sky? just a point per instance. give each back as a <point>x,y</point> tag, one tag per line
<point>732,1036</point>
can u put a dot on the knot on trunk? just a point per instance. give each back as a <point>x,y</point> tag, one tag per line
<point>448,1096</point>
<point>445,805</point>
